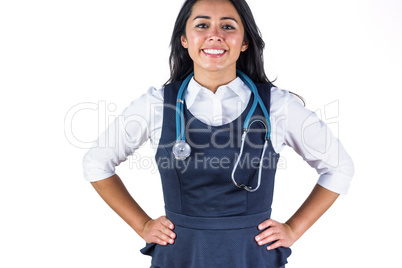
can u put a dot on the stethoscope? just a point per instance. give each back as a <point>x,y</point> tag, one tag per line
<point>182,149</point>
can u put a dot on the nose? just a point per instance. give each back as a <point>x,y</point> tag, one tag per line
<point>215,34</point>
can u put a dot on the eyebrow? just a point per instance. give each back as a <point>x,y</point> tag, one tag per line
<point>208,18</point>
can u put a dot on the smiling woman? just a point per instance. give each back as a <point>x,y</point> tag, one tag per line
<point>214,41</point>
<point>213,220</point>
<point>250,61</point>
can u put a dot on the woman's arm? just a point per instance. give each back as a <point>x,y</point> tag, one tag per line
<point>115,194</point>
<point>285,234</point>
<point>311,138</point>
<point>124,135</point>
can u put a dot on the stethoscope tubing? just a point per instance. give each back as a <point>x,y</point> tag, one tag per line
<point>243,139</point>
<point>258,99</point>
<point>182,149</point>
<point>180,109</point>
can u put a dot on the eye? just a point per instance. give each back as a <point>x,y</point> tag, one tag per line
<point>201,25</point>
<point>228,27</point>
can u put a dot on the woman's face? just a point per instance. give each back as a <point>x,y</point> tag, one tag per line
<point>214,36</point>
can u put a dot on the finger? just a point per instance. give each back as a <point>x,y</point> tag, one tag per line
<point>275,245</point>
<point>265,224</point>
<point>166,231</point>
<point>263,235</point>
<point>165,238</point>
<point>159,241</point>
<point>168,226</point>
<point>267,236</point>
<point>165,221</point>
<point>268,239</point>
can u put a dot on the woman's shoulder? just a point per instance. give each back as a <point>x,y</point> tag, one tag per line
<point>151,98</point>
<point>282,101</point>
<point>155,94</point>
<point>279,99</point>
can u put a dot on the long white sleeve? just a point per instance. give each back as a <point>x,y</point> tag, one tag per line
<point>126,134</point>
<point>313,140</point>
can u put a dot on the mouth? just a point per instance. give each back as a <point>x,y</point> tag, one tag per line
<point>214,52</point>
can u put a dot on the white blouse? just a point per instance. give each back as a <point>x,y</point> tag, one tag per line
<point>291,124</point>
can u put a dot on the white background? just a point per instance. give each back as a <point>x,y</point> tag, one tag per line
<point>55,55</point>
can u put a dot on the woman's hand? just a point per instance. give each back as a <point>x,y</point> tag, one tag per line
<point>159,231</point>
<point>282,233</point>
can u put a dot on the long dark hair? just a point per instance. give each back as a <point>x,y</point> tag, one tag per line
<point>250,62</point>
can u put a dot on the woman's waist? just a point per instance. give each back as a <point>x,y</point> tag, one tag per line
<point>217,223</point>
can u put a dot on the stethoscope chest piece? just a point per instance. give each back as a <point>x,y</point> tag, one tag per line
<point>181,150</point>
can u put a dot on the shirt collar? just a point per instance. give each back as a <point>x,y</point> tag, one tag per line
<point>237,86</point>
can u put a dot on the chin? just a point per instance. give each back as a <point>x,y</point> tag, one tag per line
<point>215,68</point>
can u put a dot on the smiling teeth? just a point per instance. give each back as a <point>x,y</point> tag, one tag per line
<point>214,51</point>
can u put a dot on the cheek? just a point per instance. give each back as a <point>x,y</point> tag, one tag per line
<point>195,43</point>
<point>237,42</point>
<point>194,40</point>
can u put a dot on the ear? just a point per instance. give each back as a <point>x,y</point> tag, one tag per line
<point>183,40</point>
<point>244,46</point>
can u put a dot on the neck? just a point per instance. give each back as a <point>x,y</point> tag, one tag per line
<point>213,80</point>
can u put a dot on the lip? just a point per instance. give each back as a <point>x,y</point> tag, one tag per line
<point>213,55</point>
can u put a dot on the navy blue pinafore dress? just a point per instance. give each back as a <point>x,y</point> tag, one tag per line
<point>215,221</point>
